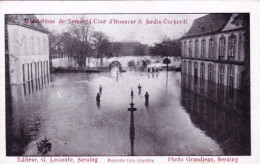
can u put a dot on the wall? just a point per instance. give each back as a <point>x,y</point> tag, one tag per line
<point>29,48</point>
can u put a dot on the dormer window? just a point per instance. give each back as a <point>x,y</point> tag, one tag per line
<point>196,48</point>
<point>203,48</point>
<point>211,47</point>
<point>231,47</point>
<point>190,48</point>
<point>184,48</point>
<point>222,46</point>
<point>202,28</point>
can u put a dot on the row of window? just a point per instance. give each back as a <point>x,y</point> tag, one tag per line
<point>28,45</point>
<point>211,72</point>
<point>232,39</point>
<point>35,70</point>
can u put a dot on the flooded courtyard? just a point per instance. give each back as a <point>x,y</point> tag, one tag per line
<point>185,116</point>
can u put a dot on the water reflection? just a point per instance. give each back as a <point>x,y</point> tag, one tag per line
<point>36,84</point>
<point>24,124</point>
<point>223,113</point>
<point>166,81</point>
<point>180,121</point>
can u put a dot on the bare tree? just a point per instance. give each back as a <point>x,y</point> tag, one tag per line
<point>102,46</point>
<point>81,34</point>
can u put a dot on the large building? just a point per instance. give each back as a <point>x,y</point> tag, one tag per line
<point>214,49</point>
<point>28,49</point>
<point>129,49</point>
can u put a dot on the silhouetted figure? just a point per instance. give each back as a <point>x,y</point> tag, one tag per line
<point>98,98</point>
<point>152,69</point>
<point>139,88</point>
<point>146,99</point>
<point>100,88</point>
<point>148,69</point>
<point>146,96</point>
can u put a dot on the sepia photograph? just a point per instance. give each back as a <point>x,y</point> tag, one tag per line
<point>127,84</point>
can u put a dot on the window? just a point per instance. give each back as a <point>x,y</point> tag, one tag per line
<point>24,78</point>
<point>211,47</point>
<point>196,48</point>
<point>31,70</point>
<point>195,69</point>
<point>222,45</point>
<point>47,67</point>
<point>32,45</point>
<point>184,66</point>
<point>38,46</point>
<point>202,70</point>
<point>38,69</point>
<point>28,73</point>
<point>203,48</point>
<point>231,73</point>
<point>44,46</point>
<point>231,47</point>
<point>23,45</point>
<point>184,48</point>
<point>24,72</point>
<point>196,65</point>
<point>190,48</point>
<point>221,75</point>
<point>35,70</point>
<point>210,73</point>
<point>189,67</point>
<point>41,68</point>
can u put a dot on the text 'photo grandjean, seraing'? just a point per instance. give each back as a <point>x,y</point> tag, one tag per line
<point>128,84</point>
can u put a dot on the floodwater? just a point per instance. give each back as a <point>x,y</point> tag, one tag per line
<point>184,116</point>
<point>94,62</point>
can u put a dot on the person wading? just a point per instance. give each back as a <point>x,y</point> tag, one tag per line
<point>100,88</point>
<point>146,99</point>
<point>139,88</point>
<point>98,97</point>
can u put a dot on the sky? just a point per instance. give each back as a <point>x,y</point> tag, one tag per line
<point>137,31</point>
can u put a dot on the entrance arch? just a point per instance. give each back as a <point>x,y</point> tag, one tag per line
<point>115,64</point>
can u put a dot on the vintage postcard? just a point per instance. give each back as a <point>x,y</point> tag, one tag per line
<point>119,86</point>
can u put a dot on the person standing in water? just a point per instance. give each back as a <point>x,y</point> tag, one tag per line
<point>100,88</point>
<point>146,99</point>
<point>139,87</point>
<point>98,97</point>
<point>146,96</point>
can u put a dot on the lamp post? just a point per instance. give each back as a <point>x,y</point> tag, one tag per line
<point>132,126</point>
<point>167,62</point>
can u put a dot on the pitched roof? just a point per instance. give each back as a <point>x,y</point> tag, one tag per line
<point>20,20</point>
<point>211,23</point>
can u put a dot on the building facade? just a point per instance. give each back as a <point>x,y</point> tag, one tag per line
<point>214,49</point>
<point>28,49</point>
<point>130,48</point>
